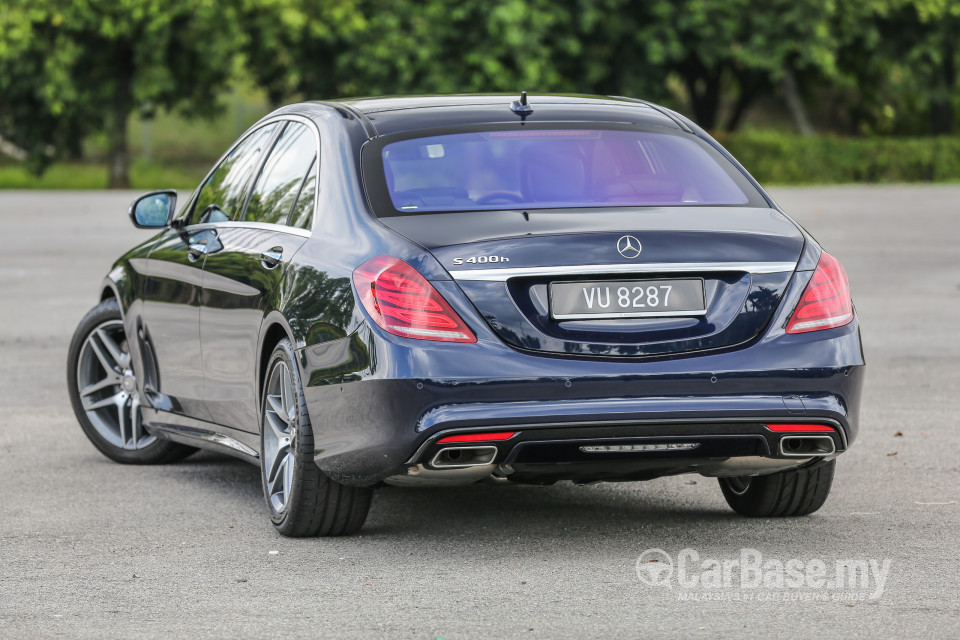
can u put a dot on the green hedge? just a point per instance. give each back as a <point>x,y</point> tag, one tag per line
<point>786,159</point>
<point>772,158</point>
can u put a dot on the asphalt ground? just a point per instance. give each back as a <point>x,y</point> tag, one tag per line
<point>92,548</point>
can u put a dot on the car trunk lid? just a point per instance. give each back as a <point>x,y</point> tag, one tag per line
<point>514,266</point>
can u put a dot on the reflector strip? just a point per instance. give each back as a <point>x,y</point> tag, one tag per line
<point>799,427</point>
<point>618,448</point>
<point>430,333</point>
<point>479,437</point>
<point>800,327</point>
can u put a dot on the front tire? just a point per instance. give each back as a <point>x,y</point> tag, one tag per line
<point>104,393</point>
<point>797,492</point>
<point>303,502</point>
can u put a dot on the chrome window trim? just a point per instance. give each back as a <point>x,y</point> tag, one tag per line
<point>266,226</point>
<point>502,275</point>
<point>238,224</point>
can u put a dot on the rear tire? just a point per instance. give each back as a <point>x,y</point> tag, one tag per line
<point>303,502</point>
<point>102,383</point>
<point>797,492</point>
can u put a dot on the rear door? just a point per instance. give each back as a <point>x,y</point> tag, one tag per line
<point>174,279</point>
<point>239,278</point>
<point>171,312</point>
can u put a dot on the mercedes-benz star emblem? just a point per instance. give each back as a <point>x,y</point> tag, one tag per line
<point>629,247</point>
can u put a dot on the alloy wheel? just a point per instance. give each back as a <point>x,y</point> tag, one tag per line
<point>279,435</point>
<point>107,386</point>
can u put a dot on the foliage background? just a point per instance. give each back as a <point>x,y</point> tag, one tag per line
<point>97,92</point>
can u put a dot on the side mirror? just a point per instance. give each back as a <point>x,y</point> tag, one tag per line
<point>154,210</point>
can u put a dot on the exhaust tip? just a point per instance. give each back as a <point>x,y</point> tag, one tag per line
<point>806,446</point>
<point>462,457</point>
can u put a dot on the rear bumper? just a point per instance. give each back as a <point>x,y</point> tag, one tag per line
<point>377,423</point>
<point>630,451</point>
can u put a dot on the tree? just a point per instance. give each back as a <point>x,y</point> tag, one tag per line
<point>296,47</point>
<point>926,36</point>
<point>736,48</point>
<point>717,48</point>
<point>325,48</point>
<point>69,68</point>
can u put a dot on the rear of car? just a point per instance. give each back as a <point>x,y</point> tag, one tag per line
<point>570,288</point>
<point>617,301</point>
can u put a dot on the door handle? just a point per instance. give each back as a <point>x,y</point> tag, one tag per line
<point>271,258</point>
<point>201,243</point>
<point>196,250</point>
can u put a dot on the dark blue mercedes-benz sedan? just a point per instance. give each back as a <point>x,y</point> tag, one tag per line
<point>442,290</point>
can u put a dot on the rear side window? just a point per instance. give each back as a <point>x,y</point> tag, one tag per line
<point>557,168</point>
<point>279,183</point>
<point>222,195</point>
<point>302,216</point>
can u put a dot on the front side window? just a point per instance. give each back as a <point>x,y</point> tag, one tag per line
<point>221,196</point>
<point>557,168</point>
<point>282,176</point>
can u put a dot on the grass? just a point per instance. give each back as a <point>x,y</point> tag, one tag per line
<point>144,176</point>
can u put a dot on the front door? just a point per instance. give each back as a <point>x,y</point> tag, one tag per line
<point>171,312</point>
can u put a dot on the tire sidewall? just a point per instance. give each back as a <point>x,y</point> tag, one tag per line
<point>765,496</point>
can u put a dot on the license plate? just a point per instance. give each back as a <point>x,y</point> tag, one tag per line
<point>626,299</point>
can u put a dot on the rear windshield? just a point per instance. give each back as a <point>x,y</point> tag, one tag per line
<point>558,168</point>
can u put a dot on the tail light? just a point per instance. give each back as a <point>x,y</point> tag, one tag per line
<point>825,302</point>
<point>402,302</point>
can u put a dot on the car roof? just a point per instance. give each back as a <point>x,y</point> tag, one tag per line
<point>396,114</point>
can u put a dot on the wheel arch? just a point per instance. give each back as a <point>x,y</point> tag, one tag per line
<point>274,329</point>
<point>107,293</point>
<point>109,289</point>
<point>122,283</point>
